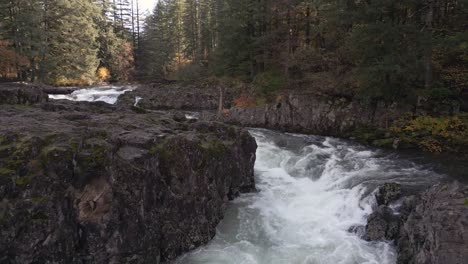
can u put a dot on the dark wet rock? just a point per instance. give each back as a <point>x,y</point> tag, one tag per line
<point>430,228</point>
<point>388,193</point>
<point>174,96</point>
<point>179,116</point>
<point>85,183</point>
<point>22,94</point>
<point>436,229</point>
<point>382,224</point>
<point>59,90</point>
<point>314,114</point>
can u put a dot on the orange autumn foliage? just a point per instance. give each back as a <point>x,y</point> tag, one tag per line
<point>244,101</point>
<point>10,61</point>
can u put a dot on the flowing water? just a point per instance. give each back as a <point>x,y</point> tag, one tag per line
<point>107,94</point>
<point>311,192</point>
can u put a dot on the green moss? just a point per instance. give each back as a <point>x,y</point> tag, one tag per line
<point>466,202</point>
<point>50,152</point>
<point>39,199</point>
<point>212,148</point>
<point>6,172</point>
<point>365,134</point>
<point>383,143</point>
<point>162,150</point>
<point>5,149</point>
<point>434,134</point>
<point>25,180</point>
<point>99,154</point>
<point>14,164</point>
<point>74,145</point>
<point>38,216</point>
<point>3,140</point>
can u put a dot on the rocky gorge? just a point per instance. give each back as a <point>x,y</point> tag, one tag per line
<point>93,183</point>
<point>138,182</point>
<point>426,226</point>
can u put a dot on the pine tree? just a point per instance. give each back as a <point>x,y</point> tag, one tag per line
<point>71,52</point>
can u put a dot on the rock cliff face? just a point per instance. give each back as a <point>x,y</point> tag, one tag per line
<point>17,93</point>
<point>87,183</point>
<point>306,113</point>
<point>176,96</point>
<point>295,111</point>
<point>431,228</point>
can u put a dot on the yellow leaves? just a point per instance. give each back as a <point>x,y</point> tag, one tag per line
<point>431,145</point>
<point>64,81</point>
<point>103,74</point>
<point>436,126</point>
<point>434,134</point>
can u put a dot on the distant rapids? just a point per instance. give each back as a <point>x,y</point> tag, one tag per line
<point>107,94</point>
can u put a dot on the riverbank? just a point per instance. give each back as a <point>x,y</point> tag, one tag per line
<point>437,130</point>
<point>132,138</point>
<point>91,182</point>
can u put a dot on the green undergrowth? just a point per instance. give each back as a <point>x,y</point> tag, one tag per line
<point>442,134</point>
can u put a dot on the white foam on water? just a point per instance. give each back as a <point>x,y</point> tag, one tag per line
<point>107,94</point>
<point>137,100</point>
<point>192,115</point>
<point>312,191</point>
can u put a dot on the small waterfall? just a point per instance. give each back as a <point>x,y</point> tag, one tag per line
<point>312,191</point>
<point>107,94</point>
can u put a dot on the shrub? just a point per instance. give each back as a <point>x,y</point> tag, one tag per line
<point>244,101</point>
<point>434,134</point>
<point>269,82</point>
<point>103,74</point>
<point>190,72</point>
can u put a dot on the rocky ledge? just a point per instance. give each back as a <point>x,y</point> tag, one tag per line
<point>23,94</point>
<point>431,227</point>
<point>177,96</point>
<point>88,183</point>
<point>294,111</point>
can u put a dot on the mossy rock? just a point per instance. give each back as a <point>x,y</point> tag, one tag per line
<point>213,147</point>
<point>6,172</point>
<point>50,153</point>
<point>162,150</point>
<point>25,180</point>
<point>383,143</point>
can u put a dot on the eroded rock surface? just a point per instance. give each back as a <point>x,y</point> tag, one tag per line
<point>430,228</point>
<point>177,96</point>
<point>22,94</point>
<point>87,183</point>
<point>309,113</point>
<point>436,229</point>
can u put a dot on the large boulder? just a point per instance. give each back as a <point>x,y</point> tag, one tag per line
<point>436,229</point>
<point>79,185</point>
<point>383,223</point>
<point>430,228</point>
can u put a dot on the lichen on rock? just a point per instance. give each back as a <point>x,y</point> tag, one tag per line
<point>112,187</point>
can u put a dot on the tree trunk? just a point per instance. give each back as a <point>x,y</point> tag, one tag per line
<point>428,51</point>
<point>221,100</point>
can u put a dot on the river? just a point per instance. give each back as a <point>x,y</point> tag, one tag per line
<point>311,192</point>
<point>314,195</point>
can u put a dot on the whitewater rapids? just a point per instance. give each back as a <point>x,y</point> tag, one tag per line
<point>312,192</point>
<point>107,94</point>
